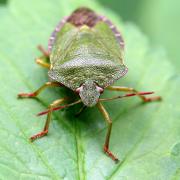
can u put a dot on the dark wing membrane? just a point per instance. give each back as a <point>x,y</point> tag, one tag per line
<point>83,16</point>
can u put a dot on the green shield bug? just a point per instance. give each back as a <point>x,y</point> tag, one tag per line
<point>86,55</point>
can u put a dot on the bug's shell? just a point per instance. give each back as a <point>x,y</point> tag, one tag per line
<point>82,52</point>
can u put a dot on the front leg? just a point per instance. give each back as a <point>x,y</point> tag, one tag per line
<point>109,121</point>
<point>126,89</point>
<point>81,110</point>
<point>48,119</point>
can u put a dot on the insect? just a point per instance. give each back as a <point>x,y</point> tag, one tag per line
<point>86,55</point>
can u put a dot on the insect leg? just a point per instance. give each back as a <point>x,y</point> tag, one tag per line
<point>127,89</point>
<point>35,93</point>
<point>48,119</point>
<point>41,60</point>
<point>45,52</point>
<point>109,121</point>
<point>42,63</point>
<point>81,110</point>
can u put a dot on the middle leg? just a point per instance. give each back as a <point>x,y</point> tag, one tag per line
<point>38,91</point>
<point>127,89</point>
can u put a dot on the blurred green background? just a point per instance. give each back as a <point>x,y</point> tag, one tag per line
<point>158,19</point>
<point>3,2</point>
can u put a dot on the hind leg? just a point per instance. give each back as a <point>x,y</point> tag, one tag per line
<point>41,60</point>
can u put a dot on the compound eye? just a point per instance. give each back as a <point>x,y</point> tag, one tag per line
<point>99,89</point>
<point>79,89</point>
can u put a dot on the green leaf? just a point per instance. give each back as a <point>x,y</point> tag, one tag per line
<point>145,137</point>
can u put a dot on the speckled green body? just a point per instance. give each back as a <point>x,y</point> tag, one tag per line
<point>81,53</point>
